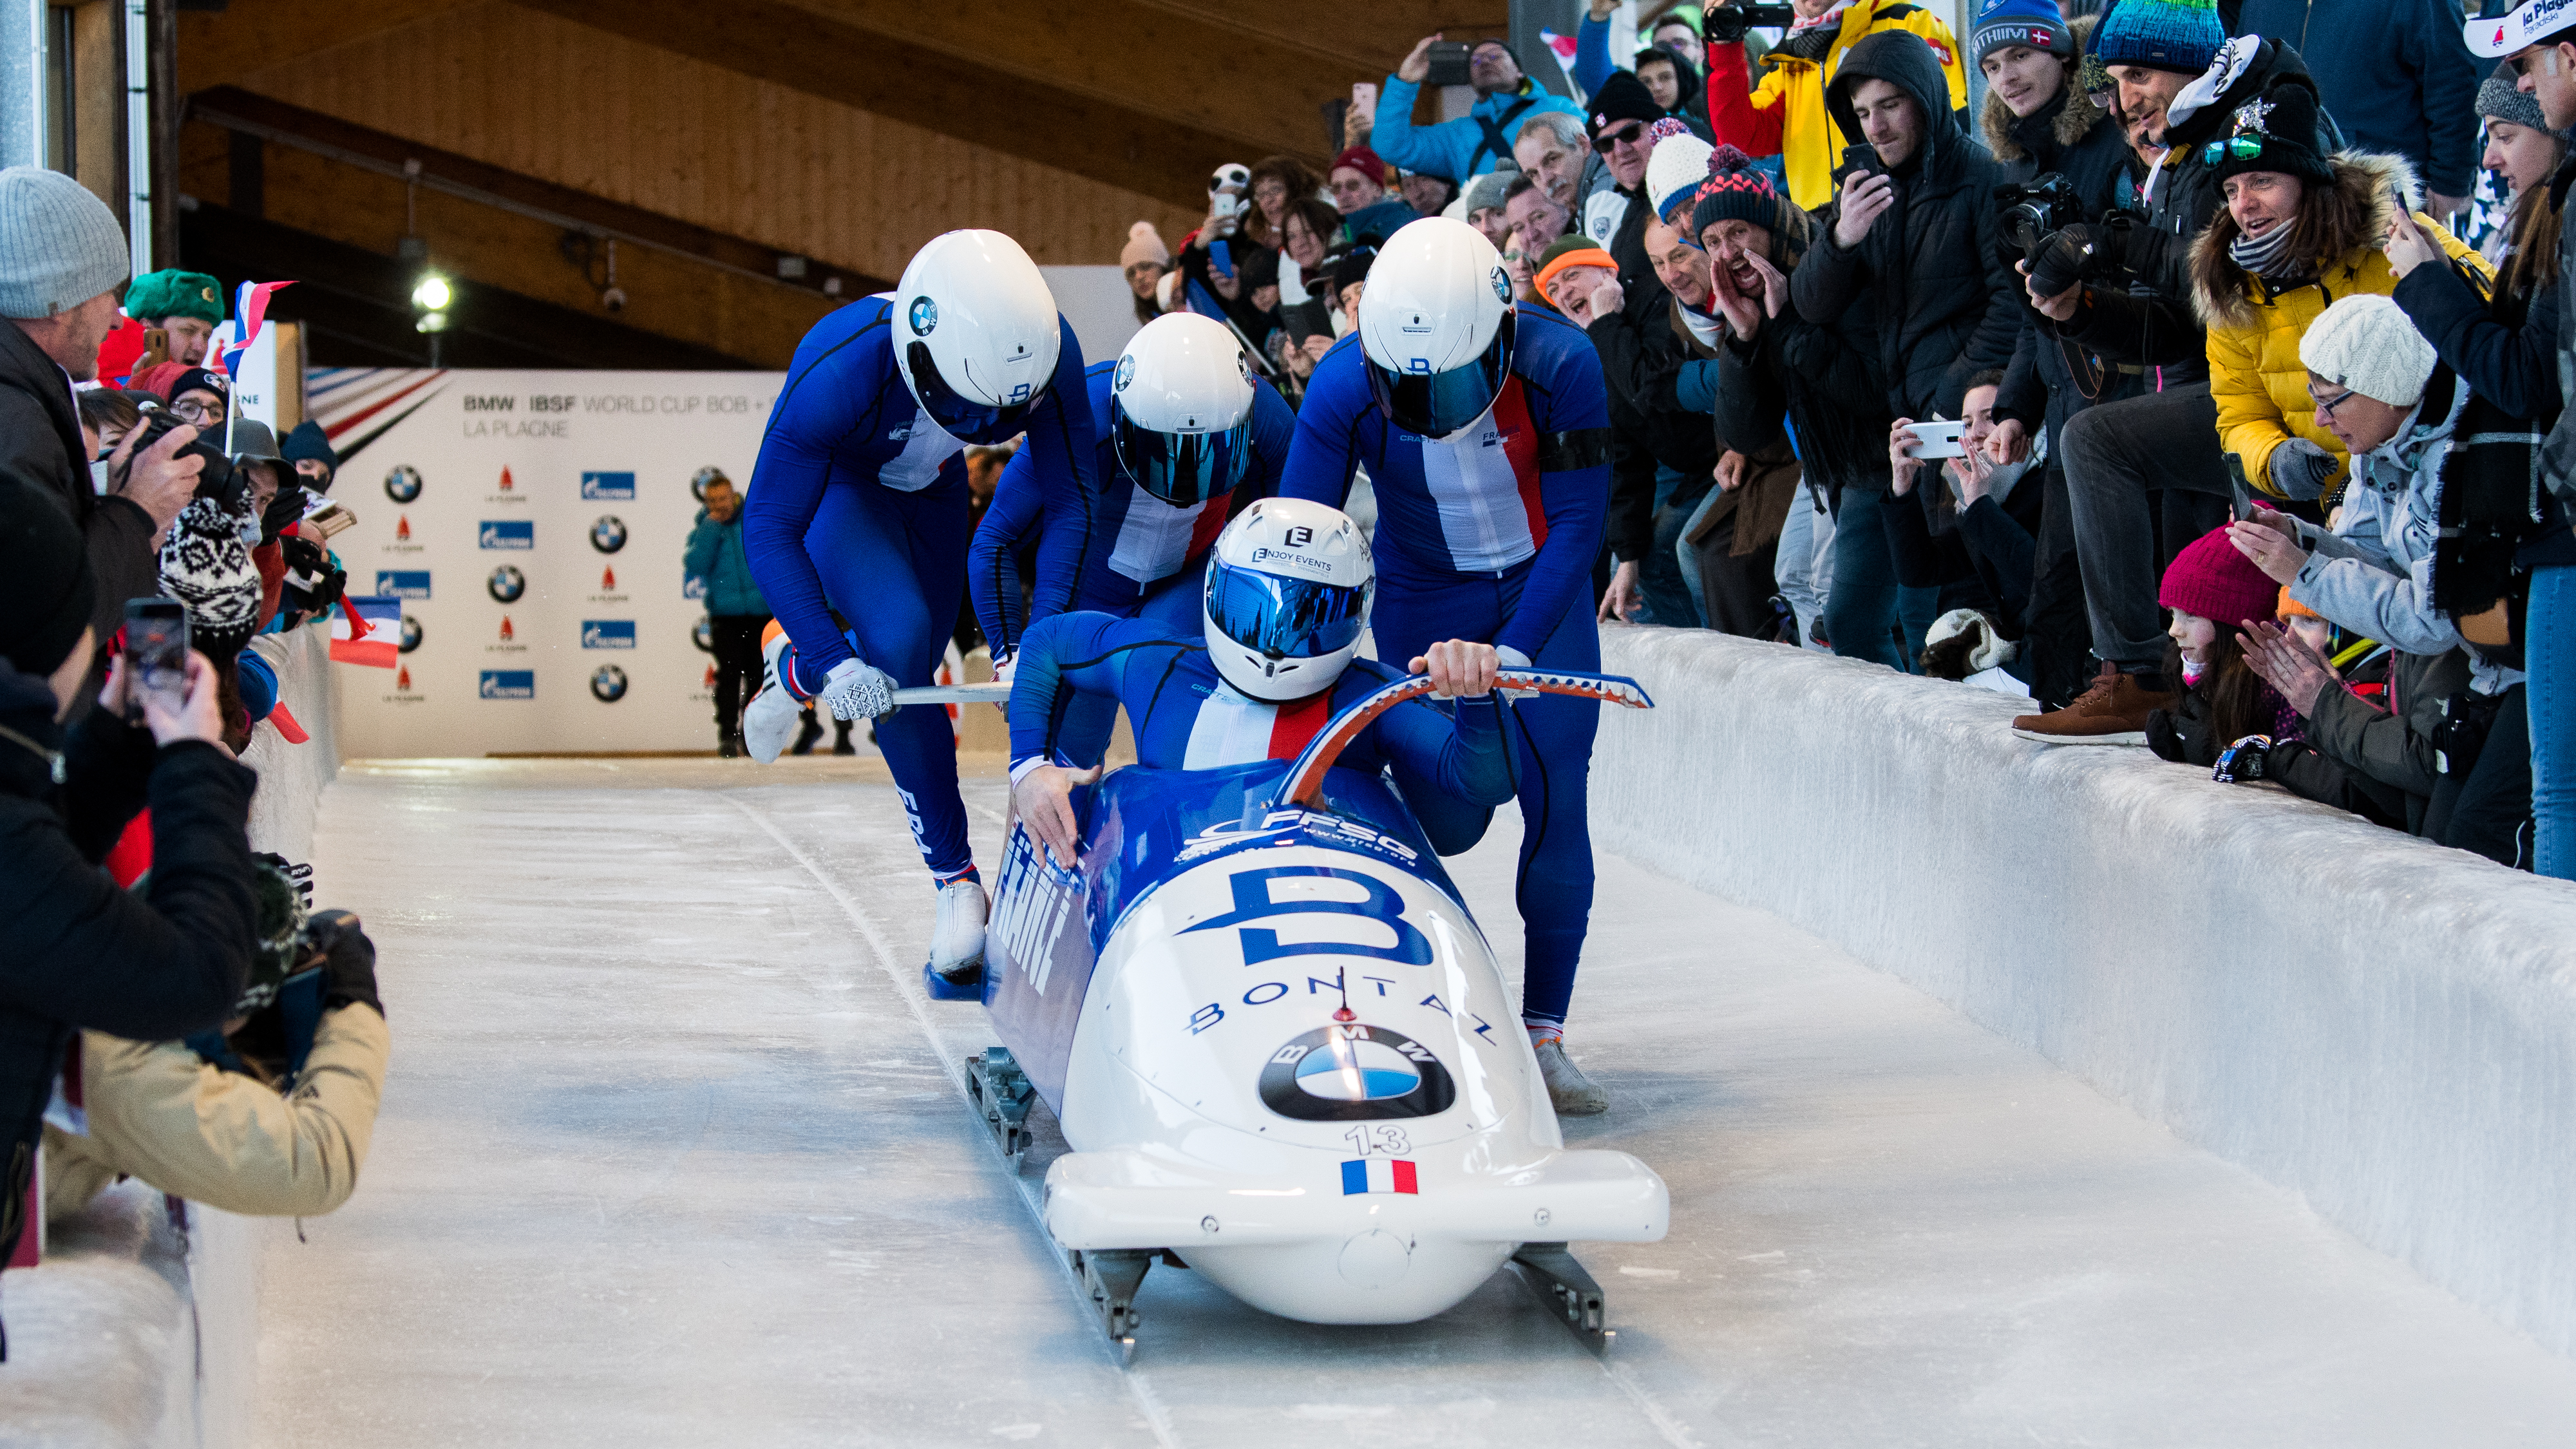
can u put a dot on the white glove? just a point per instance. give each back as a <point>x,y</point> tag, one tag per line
<point>1006,668</point>
<point>856,690</point>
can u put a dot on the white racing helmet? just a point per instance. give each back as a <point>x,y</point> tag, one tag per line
<point>1288,587</point>
<point>1436,327</point>
<point>1180,409</point>
<point>975,333</point>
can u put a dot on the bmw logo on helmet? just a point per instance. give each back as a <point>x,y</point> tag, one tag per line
<point>402,485</point>
<point>924,316</point>
<point>1126,374</point>
<point>608,535</point>
<point>506,584</point>
<point>1502,281</point>
<point>608,684</point>
<point>703,634</point>
<point>410,634</point>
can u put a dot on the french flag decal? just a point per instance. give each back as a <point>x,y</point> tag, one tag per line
<point>1377,1174</point>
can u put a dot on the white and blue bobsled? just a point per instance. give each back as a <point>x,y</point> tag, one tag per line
<point>1281,1053</point>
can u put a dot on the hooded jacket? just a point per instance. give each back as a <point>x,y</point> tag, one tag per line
<point>1948,306</point>
<point>75,951</point>
<point>1787,115</point>
<point>1824,379</point>
<point>1456,149</point>
<point>2254,326</point>
<point>715,555</point>
<point>40,446</point>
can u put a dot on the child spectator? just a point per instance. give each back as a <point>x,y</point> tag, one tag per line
<point>2213,591</point>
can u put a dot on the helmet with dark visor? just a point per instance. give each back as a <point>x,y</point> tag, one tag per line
<point>1285,618</point>
<point>961,417</point>
<point>1182,469</point>
<point>1437,404</point>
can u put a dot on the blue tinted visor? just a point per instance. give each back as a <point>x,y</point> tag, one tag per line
<point>1284,618</point>
<point>1437,404</point>
<point>960,417</point>
<point>1182,469</point>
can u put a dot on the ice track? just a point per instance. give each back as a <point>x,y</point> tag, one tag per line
<point>674,1152</point>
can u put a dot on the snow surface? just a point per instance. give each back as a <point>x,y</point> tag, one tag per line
<point>673,1153</point>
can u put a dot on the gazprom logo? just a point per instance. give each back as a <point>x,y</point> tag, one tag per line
<point>402,583</point>
<point>508,684</point>
<point>617,486</point>
<point>607,633</point>
<point>507,533</point>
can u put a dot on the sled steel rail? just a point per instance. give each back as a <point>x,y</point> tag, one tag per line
<point>1304,785</point>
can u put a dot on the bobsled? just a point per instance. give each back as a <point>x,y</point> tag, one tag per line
<point>1281,1053</point>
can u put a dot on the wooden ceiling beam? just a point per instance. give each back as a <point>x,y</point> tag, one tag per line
<point>217,47</point>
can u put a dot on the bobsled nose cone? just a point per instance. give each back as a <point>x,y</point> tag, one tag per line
<point>1376,1259</point>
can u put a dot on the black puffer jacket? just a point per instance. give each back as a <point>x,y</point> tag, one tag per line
<point>40,446</point>
<point>1948,307</point>
<point>75,951</point>
<point>1826,380</point>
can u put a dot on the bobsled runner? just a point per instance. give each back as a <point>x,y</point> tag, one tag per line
<point>1281,1053</point>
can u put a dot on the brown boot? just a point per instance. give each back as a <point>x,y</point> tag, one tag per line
<point>2113,712</point>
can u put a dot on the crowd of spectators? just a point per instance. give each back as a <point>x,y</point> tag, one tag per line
<point>171,1009</point>
<point>2191,382</point>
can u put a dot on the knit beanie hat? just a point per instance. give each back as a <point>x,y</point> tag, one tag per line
<point>206,565</point>
<point>1567,254</point>
<point>156,295</point>
<point>2370,345</point>
<point>59,245</point>
<point>2211,579</point>
<point>1622,98</point>
<point>309,441</point>
<point>1350,264</point>
<point>45,589</point>
<point>1485,192</point>
<point>2275,131</point>
<point>1736,189</point>
<point>1677,168</point>
<point>2499,100</point>
<point>2002,24</point>
<point>1144,244</point>
<point>201,379</point>
<point>1362,160</point>
<point>2176,35</point>
<point>2290,608</point>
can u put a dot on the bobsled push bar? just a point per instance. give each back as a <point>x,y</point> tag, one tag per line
<point>1609,687</point>
<point>990,692</point>
<point>1304,784</point>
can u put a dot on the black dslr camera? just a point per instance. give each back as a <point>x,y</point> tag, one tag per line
<point>2037,211</point>
<point>218,480</point>
<point>2046,225</point>
<point>1726,24</point>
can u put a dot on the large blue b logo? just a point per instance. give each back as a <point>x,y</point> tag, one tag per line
<point>1253,902</point>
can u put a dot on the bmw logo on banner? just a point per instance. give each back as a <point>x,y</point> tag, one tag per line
<point>608,535</point>
<point>1355,1074</point>
<point>402,485</point>
<point>506,584</point>
<point>608,684</point>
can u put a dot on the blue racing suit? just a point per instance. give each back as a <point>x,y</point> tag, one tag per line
<point>1146,557</point>
<point>858,504</point>
<point>1491,535</point>
<point>1450,761</point>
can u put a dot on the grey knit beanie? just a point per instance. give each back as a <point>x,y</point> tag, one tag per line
<point>2499,100</point>
<point>1485,192</point>
<point>59,245</point>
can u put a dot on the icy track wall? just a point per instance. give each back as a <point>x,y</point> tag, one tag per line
<point>135,1331</point>
<point>2384,1026</point>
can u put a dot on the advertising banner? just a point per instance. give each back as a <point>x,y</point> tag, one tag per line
<point>527,530</point>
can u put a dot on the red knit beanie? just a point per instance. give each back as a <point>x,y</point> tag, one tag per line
<point>2211,579</point>
<point>1362,160</point>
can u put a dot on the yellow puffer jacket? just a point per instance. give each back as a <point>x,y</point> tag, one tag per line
<point>1788,107</point>
<point>2255,375</point>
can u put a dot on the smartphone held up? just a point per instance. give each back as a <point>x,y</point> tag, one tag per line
<point>156,654</point>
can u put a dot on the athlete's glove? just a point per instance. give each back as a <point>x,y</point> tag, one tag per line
<point>855,690</point>
<point>2300,469</point>
<point>2243,761</point>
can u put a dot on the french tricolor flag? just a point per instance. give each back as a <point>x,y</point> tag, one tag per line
<point>1377,1174</point>
<point>367,631</point>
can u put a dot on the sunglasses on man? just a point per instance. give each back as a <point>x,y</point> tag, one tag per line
<point>1630,133</point>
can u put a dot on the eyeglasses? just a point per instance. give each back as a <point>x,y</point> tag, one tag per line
<point>195,411</point>
<point>1632,132</point>
<point>2326,407</point>
<point>2243,148</point>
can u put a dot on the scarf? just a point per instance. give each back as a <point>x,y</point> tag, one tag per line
<point>2267,256</point>
<point>1814,39</point>
<point>1706,328</point>
<point>2193,671</point>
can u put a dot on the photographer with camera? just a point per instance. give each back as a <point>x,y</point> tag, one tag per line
<point>1915,229</point>
<point>1476,142</point>
<point>75,950</point>
<point>1788,115</point>
<point>62,265</point>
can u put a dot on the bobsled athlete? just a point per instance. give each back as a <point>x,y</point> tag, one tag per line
<point>1272,660</point>
<point>1485,429</point>
<point>1187,437</point>
<point>858,504</point>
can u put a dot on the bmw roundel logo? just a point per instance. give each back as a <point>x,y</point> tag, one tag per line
<point>402,485</point>
<point>410,635</point>
<point>506,584</point>
<point>704,635</point>
<point>1126,374</point>
<point>608,684</point>
<point>1355,1074</point>
<point>608,535</point>
<point>924,316</point>
<point>699,480</point>
<point>1502,281</point>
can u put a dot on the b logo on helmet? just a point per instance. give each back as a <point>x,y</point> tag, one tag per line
<point>1126,374</point>
<point>924,316</point>
<point>1418,364</point>
<point>1020,393</point>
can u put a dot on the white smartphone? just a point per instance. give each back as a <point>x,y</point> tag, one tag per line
<point>1937,440</point>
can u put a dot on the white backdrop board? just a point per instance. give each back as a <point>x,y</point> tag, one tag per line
<point>533,524</point>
